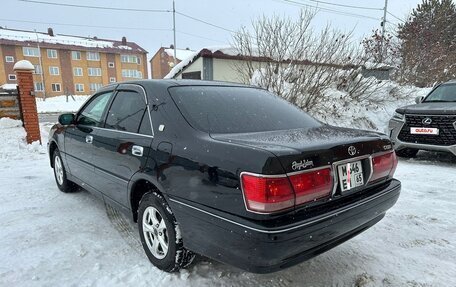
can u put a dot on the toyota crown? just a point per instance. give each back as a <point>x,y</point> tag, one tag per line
<point>231,172</point>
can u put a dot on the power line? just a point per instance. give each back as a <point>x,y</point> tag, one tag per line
<point>347,6</point>
<point>301,4</point>
<point>83,25</point>
<point>96,7</point>
<point>397,18</point>
<point>205,22</point>
<point>197,36</point>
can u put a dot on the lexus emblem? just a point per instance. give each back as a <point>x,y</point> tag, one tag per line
<point>351,150</point>
<point>427,121</point>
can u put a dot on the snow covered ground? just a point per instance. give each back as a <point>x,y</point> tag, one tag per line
<point>60,104</point>
<point>49,238</point>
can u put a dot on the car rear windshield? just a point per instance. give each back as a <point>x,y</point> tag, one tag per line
<point>443,93</point>
<point>224,109</point>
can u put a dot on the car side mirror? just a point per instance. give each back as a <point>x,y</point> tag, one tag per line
<point>419,99</point>
<point>66,119</point>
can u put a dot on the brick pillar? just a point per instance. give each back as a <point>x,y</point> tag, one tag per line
<point>24,70</point>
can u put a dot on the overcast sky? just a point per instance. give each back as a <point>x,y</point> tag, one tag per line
<point>229,14</point>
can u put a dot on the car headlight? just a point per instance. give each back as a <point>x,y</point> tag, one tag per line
<point>398,116</point>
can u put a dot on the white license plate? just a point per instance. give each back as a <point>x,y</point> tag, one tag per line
<point>350,175</point>
<point>424,131</point>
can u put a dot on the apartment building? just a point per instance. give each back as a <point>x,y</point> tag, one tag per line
<point>163,60</point>
<point>70,65</point>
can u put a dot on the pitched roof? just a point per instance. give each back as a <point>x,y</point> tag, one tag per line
<point>30,38</point>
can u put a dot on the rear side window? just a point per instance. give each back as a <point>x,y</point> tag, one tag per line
<point>92,114</point>
<point>126,112</point>
<point>217,109</point>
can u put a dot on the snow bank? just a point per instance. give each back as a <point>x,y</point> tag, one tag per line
<point>60,104</point>
<point>6,123</point>
<point>14,145</point>
<point>370,117</point>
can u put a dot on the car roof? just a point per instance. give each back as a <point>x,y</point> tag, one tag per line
<point>165,83</point>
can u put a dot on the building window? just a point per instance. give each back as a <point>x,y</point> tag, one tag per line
<point>131,74</point>
<point>52,54</point>
<point>94,72</point>
<point>130,59</point>
<point>9,59</point>
<point>93,56</point>
<point>56,87</point>
<point>38,69</point>
<point>95,86</point>
<point>112,80</point>
<point>12,77</point>
<point>79,87</point>
<point>39,87</point>
<point>77,72</point>
<point>30,52</point>
<point>75,55</point>
<point>110,64</point>
<point>54,71</point>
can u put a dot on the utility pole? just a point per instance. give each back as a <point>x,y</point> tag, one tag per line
<point>385,10</point>
<point>174,32</point>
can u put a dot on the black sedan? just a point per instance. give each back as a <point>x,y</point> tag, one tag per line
<point>228,171</point>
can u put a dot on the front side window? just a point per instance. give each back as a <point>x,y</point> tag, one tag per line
<point>76,55</point>
<point>92,113</point>
<point>126,112</point>
<point>30,51</point>
<point>223,109</point>
<point>93,56</point>
<point>54,71</point>
<point>443,93</point>
<point>52,54</point>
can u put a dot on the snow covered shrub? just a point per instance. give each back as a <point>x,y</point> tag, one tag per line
<point>288,57</point>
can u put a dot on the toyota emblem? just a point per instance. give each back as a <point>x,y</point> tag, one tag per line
<point>427,121</point>
<point>352,150</point>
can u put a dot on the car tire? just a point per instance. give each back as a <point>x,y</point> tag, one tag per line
<point>60,174</point>
<point>160,234</point>
<point>407,152</point>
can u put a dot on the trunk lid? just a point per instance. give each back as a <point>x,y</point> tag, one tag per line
<point>308,148</point>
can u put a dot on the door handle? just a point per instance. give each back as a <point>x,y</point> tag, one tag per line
<point>89,139</point>
<point>137,150</point>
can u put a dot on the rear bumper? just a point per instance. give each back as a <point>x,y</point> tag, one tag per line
<point>394,128</point>
<point>263,250</point>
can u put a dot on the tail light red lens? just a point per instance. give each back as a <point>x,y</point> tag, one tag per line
<point>267,194</point>
<point>384,165</point>
<point>312,185</point>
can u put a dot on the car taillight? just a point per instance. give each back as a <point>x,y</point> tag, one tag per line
<point>267,194</point>
<point>312,185</point>
<point>384,165</point>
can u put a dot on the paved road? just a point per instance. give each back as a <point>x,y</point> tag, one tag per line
<point>48,117</point>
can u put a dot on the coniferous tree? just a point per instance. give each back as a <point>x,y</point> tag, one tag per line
<point>428,43</point>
